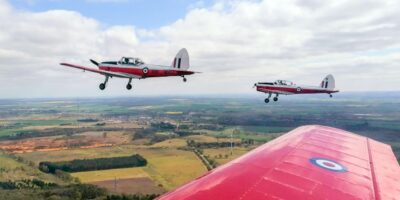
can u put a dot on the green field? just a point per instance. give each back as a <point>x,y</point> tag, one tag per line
<point>12,169</point>
<point>20,125</point>
<point>163,162</point>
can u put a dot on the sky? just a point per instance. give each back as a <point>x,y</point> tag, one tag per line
<point>233,43</point>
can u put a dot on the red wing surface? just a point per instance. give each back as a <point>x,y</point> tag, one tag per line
<point>310,162</point>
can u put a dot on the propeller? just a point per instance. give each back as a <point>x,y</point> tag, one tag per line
<point>94,62</point>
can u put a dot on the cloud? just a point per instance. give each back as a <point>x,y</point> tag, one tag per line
<point>235,43</point>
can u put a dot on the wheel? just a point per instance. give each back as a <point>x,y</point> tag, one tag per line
<point>330,95</point>
<point>275,98</point>
<point>298,89</point>
<point>266,100</point>
<point>184,79</point>
<point>102,86</point>
<point>129,87</point>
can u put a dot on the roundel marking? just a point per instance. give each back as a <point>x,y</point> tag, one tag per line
<point>145,70</point>
<point>328,164</point>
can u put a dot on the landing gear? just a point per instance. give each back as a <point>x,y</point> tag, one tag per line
<point>269,96</point>
<point>184,79</point>
<point>330,95</point>
<point>129,85</point>
<point>276,97</point>
<point>267,99</point>
<point>102,86</point>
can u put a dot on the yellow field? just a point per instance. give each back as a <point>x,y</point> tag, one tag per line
<point>172,167</point>
<point>171,143</point>
<point>103,175</point>
<point>166,165</point>
<point>206,138</point>
<point>173,113</point>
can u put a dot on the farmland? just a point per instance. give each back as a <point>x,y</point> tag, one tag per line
<point>172,134</point>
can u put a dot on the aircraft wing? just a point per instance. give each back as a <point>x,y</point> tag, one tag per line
<point>103,72</point>
<point>310,162</point>
<point>277,91</point>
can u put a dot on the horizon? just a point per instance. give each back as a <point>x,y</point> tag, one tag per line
<point>323,97</point>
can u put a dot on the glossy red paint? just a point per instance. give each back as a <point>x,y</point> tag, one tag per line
<point>360,168</point>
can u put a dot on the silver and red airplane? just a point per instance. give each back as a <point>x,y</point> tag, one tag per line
<point>287,88</point>
<point>134,68</point>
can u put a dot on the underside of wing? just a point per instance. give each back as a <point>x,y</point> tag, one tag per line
<point>274,91</point>
<point>103,72</point>
<point>310,162</point>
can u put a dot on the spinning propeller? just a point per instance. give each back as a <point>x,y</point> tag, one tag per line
<point>94,62</point>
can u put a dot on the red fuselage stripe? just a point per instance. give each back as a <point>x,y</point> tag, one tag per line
<point>150,73</point>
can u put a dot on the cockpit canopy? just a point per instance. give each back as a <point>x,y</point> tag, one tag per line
<point>283,82</point>
<point>130,61</point>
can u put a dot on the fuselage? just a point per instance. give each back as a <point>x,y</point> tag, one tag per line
<point>270,87</point>
<point>143,70</point>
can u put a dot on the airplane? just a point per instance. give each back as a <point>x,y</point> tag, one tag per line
<point>135,68</point>
<point>287,88</point>
<point>309,162</point>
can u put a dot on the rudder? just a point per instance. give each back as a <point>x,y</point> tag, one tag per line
<point>328,82</point>
<point>181,60</point>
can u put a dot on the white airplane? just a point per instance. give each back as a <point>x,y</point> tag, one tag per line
<point>287,88</point>
<point>134,68</point>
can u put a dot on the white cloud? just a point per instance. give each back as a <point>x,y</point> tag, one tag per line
<point>235,43</point>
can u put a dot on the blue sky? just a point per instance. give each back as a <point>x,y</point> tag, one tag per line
<point>139,13</point>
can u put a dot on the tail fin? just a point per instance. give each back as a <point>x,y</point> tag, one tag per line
<point>328,82</point>
<point>181,60</point>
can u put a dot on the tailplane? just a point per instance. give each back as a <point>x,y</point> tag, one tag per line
<point>181,60</point>
<point>328,82</point>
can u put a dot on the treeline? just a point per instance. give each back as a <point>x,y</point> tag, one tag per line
<point>163,126</point>
<point>26,184</point>
<point>24,134</point>
<point>93,164</point>
<point>88,120</point>
<point>41,190</point>
<point>132,197</point>
<point>205,145</point>
<point>150,132</point>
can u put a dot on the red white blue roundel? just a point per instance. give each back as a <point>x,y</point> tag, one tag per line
<point>328,164</point>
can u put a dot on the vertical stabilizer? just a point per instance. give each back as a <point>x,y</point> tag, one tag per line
<point>181,60</point>
<point>328,82</point>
